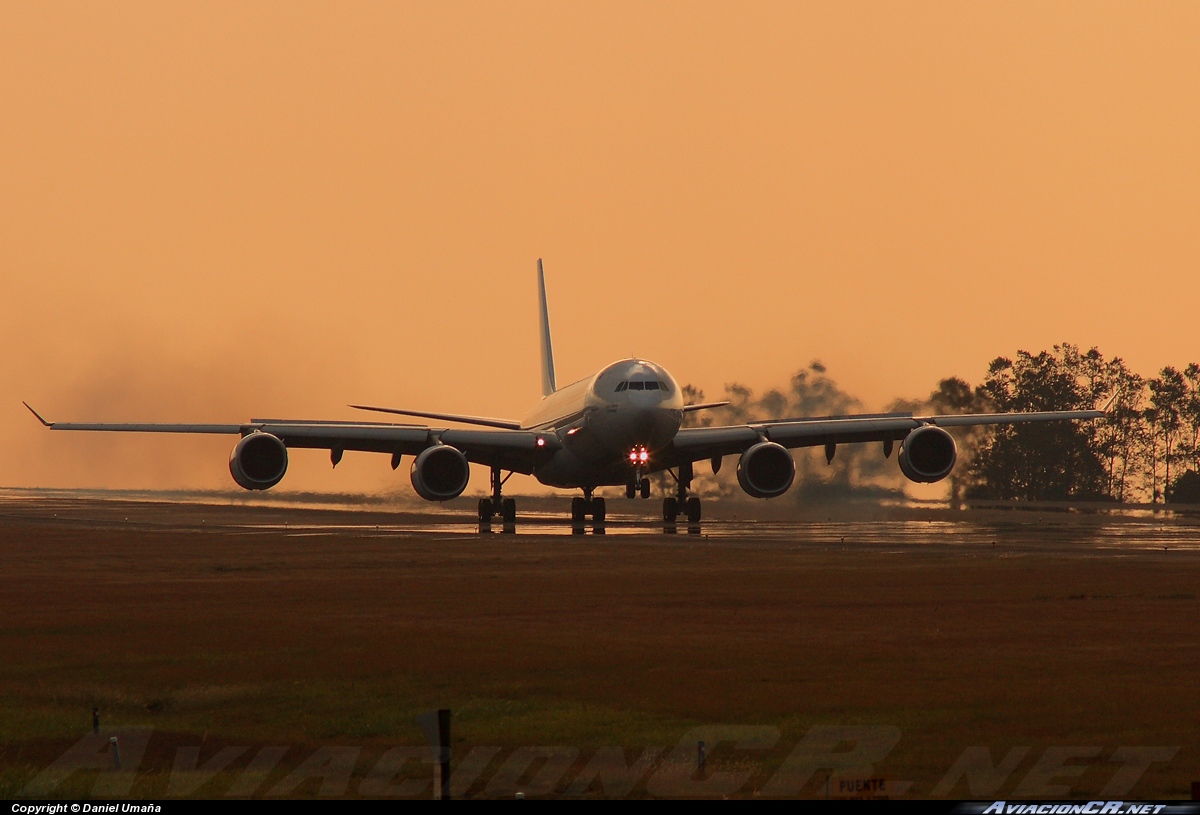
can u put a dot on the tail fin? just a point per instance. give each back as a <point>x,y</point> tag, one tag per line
<point>548,386</point>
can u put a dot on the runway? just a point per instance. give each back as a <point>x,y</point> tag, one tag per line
<point>1011,530</point>
<point>228,625</point>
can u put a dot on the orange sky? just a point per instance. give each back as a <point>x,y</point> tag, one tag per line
<point>213,211</point>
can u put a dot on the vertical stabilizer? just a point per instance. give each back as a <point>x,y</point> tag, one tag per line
<point>548,386</point>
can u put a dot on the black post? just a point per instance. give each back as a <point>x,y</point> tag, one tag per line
<point>700,758</point>
<point>95,721</point>
<point>436,727</point>
<point>443,717</point>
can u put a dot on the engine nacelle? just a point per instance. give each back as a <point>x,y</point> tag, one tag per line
<point>258,462</point>
<point>927,454</point>
<point>766,470</point>
<point>440,473</point>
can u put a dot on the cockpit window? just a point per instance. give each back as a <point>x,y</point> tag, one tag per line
<point>643,385</point>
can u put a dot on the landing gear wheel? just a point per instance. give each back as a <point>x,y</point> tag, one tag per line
<point>485,510</point>
<point>508,510</point>
<point>630,489</point>
<point>670,509</point>
<point>645,487</point>
<point>598,510</point>
<point>578,510</point>
<point>692,507</point>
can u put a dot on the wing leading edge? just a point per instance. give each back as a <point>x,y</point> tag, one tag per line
<point>697,443</point>
<point>517,450</point>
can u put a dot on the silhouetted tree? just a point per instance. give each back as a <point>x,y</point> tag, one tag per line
<point>1185,490</point>
<point>1039,461</point>
<point>1168,393</point>
<point>1191,412</point>
<point>1121,436</point>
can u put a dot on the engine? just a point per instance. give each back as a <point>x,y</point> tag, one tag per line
<point>258,462</point>
<point>440,473</point>
<point>766,470</point>
<point>927,454</point>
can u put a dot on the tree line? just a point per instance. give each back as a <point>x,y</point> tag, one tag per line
<point>1146,450</point>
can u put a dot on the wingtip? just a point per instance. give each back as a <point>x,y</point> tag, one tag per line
<point>37,415</point>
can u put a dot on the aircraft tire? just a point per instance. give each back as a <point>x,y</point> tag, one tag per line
<point>670,509</point>
<point>485,510</point>
<point>598,510</point>
<point>578,509</point>
<point>645,487</point>
<point>693,510</point>
<point>508,510</point>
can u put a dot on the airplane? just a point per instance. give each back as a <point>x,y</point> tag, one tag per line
<point>613,428</point>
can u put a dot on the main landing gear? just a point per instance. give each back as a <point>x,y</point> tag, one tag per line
<point>585,507</point>
<point>506,508</point>
<point>681,502</point>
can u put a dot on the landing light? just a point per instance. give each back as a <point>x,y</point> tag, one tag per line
<point>541,442</point>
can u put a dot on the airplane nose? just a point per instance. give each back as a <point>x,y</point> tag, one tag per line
<point>654,427</point>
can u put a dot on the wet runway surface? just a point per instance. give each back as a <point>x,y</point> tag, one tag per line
<point>1044,531</point>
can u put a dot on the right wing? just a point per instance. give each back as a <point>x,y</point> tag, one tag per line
<point>697,443</point>
<point>517,450</point>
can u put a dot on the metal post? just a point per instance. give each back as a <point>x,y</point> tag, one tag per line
<point>700,758</point>
<point>444,757</point>
<point>95,721</point>
<point>116,752</point>
<point>436,727</point>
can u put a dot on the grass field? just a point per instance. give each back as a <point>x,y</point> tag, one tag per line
<point>328,645</point>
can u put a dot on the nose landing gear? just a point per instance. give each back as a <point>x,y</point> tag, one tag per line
<point>638,458</point>
<point>638,486</point>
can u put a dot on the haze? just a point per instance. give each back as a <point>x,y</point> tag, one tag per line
<point>217,211</point>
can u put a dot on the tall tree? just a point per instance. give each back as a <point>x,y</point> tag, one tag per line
<point>1039,461</point>
<point>1168,396</point>
<point>1191,413</point>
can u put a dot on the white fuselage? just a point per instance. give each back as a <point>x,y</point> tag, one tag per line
<point>627,406</point>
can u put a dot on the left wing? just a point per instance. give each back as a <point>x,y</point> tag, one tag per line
<point>697,443</point>
<point>517,450</point>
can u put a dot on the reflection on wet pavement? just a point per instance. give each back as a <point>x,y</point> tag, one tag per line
<point>1010,530</point>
